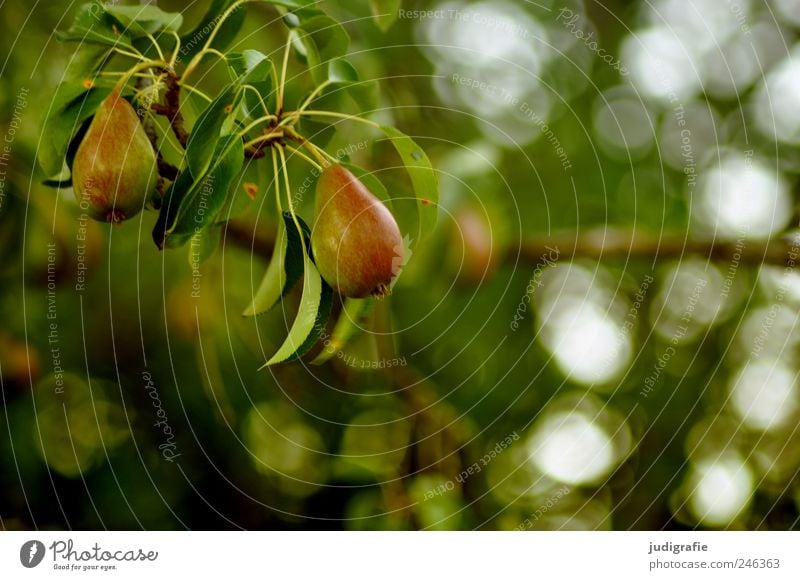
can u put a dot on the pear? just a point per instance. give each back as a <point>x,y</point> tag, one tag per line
<point>355,239</point>
<point>115,167</point>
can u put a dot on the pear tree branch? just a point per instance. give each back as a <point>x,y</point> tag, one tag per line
<point>596,244</point>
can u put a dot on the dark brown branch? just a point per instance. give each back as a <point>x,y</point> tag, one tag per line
<point>172,109</point>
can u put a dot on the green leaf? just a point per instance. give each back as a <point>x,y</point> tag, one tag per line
<point>193,41</point>
<point>385,12</point>
<point>254,69</point>
<point>342,80</point>
<point>173,199</point>
<point>423,178</point>
<point>348,325</point>
<point>252,106</point>
<point>323,40</point>
<point>366,95</point>
<point>284,270</point>
<point>206,131</point>
<point>93,25</point>
<point>202,203</point>
<point>340,71</point>
<point>143,20</point>
<point>249,65</point>
<point>271,288</point>
<point>318,330</point>
<point>292,4</point>
<point>202,245</point>
<point>305,324</point>
<point>67,115</point>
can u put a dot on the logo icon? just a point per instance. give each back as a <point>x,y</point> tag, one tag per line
<point>31,553</point>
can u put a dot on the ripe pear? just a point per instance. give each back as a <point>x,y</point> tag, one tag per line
<point>355,239</point>
<point>115,166</point>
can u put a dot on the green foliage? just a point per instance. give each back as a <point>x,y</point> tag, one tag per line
<point>246,117</point>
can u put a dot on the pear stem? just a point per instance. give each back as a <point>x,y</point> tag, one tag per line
<point>264,139</point>
<point>261,100</point>
<point>207,46</point>
<point>177,50</point>
<point>312,96</point>
<point>128,75</point>
<point>289,199</point>
<point>338,116</point>
<point>196,91</point>
<point>282,85</point>
<point>152,39</point>
<point>277,183</point>
<point>301,155</point>
<point>313,149</point>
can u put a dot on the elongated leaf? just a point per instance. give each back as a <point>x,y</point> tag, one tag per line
<point>366,95</point>
<point>63,123</point>
<point>175,195</point>
<point>207,196</point>
<point>340,71</point>
<point>249,65</point>
<point>306,319</point>
<point>143,20</point>
<point>423,178</point>
<point>292,4</point>
<point>385,12</point>
<point>347,326</point>
<point>254,70</point>
<point>323,39</point>
<point>206,131</point>
<point>252,104</point>
<point>202,245</point>
<point>285,267</point>
<point>193,41</point>
<point>318,330</point>
<point>271,287</point>
<point>94,25</point>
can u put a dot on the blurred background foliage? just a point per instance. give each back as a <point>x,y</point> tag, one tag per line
<point>632,392</point>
